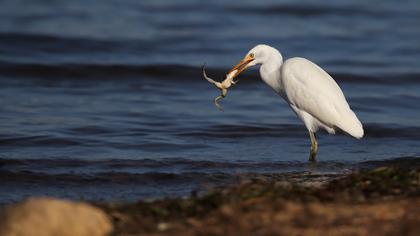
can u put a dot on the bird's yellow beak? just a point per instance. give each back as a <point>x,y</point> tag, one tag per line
<point>241,66</point>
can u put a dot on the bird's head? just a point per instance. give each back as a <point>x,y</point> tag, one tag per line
<point>256,56</point>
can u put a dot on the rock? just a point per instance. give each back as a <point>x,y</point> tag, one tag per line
<point>49,216</point>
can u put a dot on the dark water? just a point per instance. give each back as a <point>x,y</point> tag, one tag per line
<point>104,100</point>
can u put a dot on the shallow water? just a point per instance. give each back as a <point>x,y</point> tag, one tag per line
<point>105,101</point>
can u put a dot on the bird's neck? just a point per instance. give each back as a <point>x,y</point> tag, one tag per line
<point>270,72</point>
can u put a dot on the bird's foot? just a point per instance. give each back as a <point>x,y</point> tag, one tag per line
<point>312,156</point>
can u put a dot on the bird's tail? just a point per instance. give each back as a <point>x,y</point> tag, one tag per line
<point>352,125</point>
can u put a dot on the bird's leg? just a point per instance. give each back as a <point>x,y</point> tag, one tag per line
<point>314,146</point>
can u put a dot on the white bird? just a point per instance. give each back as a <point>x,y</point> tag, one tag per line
<point>310,91</point>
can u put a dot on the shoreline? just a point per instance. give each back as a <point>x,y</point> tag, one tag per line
<point>380,201</point>
<point>384,200</point>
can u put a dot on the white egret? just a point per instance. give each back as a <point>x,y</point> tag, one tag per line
<point>310,91</point>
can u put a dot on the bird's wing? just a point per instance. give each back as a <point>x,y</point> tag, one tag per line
<point>311,89</point>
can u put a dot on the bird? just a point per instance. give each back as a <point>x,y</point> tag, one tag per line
<point>310,91</point>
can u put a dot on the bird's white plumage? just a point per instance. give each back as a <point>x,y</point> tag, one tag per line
<point>310,91</point>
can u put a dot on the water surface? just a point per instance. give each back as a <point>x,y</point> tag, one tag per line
<point>102,100</point>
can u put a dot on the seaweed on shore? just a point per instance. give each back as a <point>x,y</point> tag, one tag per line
<point>359,194</point>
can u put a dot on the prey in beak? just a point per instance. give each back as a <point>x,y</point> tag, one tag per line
<point>222,86</point>
<point>241,66</point>
<point>228,82</point>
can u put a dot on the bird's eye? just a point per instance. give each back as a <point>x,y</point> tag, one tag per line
<point>251,55</point>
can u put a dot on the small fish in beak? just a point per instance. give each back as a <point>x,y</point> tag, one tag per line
<point>222,86</point>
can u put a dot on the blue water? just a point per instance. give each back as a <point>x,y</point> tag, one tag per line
<point>104,100</point>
